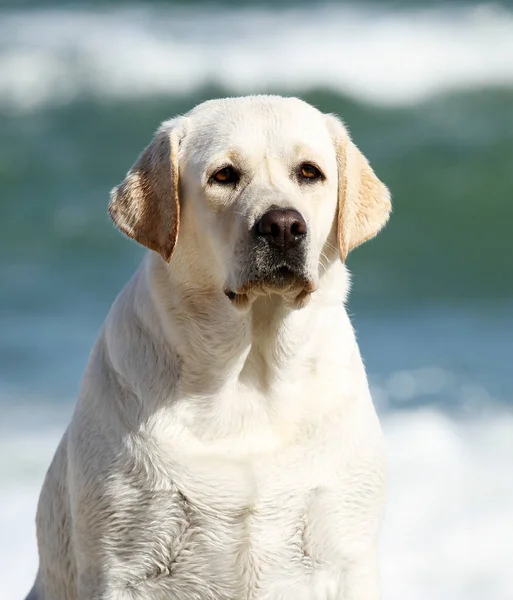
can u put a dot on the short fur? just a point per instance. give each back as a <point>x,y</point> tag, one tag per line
<point>224,445</point>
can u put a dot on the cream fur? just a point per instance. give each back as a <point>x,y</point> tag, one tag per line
<point>224,450</point>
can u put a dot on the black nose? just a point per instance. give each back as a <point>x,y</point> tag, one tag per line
<point>283,228</point>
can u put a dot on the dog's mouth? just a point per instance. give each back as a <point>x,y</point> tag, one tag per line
<point>282,276</point>
<point>284,280</point>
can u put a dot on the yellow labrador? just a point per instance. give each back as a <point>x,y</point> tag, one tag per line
<point>224,445</point>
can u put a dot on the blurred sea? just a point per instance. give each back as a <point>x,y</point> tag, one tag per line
<point>427,91</point>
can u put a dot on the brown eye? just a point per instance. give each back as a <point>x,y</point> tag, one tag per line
<point>310,172</point>
<point>226,175</point>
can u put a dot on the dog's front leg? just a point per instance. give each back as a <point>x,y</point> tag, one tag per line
<point>126,542</point>
<point>127,533</point>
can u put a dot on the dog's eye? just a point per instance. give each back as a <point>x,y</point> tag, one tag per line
<point>310,172</point>
<point>226,175</point>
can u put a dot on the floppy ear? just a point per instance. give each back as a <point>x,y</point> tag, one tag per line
<point>363,200</point>
<point>145,206</point>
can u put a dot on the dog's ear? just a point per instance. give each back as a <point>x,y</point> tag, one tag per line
<point>146,205</point>
<point>363,200</point>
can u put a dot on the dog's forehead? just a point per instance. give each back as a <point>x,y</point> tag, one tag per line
<point>257,125</point>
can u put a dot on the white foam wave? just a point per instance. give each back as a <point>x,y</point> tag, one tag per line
<point>28,437</point>
<point>448,527</point>
<point>384,56</point>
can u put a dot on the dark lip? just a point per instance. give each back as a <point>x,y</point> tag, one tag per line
<point>283,274</point>
<point>277,278</point>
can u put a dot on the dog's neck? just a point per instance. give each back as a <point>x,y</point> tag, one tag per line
<point>267,368</point>
<point>217,343</point>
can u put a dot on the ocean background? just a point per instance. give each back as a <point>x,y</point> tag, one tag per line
<point>427,91</point>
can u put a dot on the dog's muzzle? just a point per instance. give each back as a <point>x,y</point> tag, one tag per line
<point>277,257</point>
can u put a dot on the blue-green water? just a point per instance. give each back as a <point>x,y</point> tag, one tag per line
<point>427,91</point>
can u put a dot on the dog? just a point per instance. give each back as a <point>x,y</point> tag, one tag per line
<point>224,445</point>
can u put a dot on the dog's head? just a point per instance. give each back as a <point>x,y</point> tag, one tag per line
<point>265,191</point>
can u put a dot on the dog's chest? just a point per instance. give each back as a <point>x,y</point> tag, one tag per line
<point>245,530</point>
<point>259,518</point>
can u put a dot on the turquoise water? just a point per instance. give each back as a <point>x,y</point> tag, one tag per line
<point>427,92</point>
